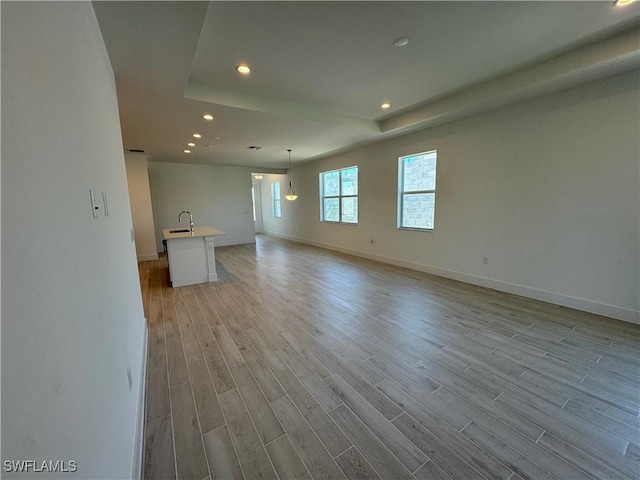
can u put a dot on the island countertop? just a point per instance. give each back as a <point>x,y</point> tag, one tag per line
<point>197,232</point>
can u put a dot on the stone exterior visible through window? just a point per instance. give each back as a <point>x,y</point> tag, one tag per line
<point>417,191</point>
<point>339,196</point>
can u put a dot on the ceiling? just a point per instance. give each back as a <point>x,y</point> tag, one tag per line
<point>321,70</point>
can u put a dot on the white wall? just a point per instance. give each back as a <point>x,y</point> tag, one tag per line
<point>72,317</point>
<point>218,197</point>
<point>547,190</point>
<point>141,209</point>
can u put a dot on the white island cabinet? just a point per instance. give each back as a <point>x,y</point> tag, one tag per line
<point>192,257</point>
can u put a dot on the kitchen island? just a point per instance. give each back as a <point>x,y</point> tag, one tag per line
<point>191,253</point>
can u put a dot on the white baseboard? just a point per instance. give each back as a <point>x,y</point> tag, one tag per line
<point>146,258</point>
<point>585,305</point>
<point>136,467</point>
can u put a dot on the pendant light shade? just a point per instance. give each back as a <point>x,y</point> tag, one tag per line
<point>291,195</point>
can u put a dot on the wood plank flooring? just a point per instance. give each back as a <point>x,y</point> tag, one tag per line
<point>301,363</point>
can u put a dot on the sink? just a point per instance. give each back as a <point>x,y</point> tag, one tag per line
<point>180,230</point>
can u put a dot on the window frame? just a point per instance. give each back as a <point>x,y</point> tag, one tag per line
<point>276,200</point>
<point>402,193</point>
<point>340,196</point>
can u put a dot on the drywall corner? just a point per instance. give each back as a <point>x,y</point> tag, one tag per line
<point>141,207</point>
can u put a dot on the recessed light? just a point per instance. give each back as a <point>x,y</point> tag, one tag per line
<point>401,41</point>
<point>207,116</point>
<point>385,105</point>
<point>197,135</point>
<point>191,144</point>
<point>187,151</point>
<point>216,138</point>
<point>623,3</point>
<point>244,69</point>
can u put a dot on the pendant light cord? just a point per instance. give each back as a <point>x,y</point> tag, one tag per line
<point>291,195</point>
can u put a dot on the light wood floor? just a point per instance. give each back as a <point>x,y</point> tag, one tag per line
<point>301,363</point>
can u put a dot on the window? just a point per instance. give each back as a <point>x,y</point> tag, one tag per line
<point>339,196</point>
<point>417,191</point>
<point>253,202</point>
<point>275,199</point>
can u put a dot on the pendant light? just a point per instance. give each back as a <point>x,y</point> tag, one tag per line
<point>291,195</point>
<point>258,176</point>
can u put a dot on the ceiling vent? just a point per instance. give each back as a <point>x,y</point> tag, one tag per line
<point>254,147</point>
<point>135,150</point>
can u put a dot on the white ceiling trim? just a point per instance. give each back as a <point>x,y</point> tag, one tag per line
<point>597,60</point>
<point>274,106</point>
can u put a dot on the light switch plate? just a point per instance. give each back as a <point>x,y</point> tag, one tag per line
<point>94,204</point>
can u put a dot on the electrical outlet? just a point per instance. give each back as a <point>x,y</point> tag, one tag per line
<point>485,260</point>
<point>129,377</point>
<point>371,240</point>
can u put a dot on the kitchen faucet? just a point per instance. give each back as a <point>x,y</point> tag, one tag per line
<point>190,219</point>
